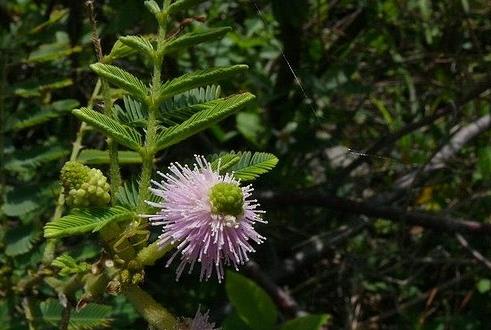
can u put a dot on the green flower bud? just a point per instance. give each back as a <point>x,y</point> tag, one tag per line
<point>226,199</point>
<point>84,186</point>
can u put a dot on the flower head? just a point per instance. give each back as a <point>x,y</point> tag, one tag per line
<point>208,215</point>
<point>199,322</point>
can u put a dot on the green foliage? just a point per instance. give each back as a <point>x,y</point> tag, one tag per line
<point>82,221</point>
<point>98,157</point>
<point>197,79</point>
<point>309,322</point>
<point>210,113</point>
<point>133,114</point>
<point>140,44</point>
<point>69,265</point>
<point>123,134</point>
<point>121,78</point>
<point>193,38</point>
<point>247,166</point>
<point>92,316</point>
<point>20,240</point>
<point>181,5</point>
<point>254,307</point>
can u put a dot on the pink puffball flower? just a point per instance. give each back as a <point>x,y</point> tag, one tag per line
<point>199,322</point>
<point>208,216</point>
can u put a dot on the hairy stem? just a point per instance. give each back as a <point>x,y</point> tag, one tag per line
<point>148,152</point>
<point>156,315</point>
<point>114,170</point>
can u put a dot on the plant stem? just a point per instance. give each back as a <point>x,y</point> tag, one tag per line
<point>148,152</point>
<point>3,79</point>
<point>150,254</point>
<point>114,170</point>
<point>156,315</point>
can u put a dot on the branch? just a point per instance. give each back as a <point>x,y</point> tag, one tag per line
<point>391,138</point>
<point>424,219</point>
<point>283,300</point>
<point>476,254</point>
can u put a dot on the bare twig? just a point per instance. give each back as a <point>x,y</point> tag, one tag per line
<point>476,254</point>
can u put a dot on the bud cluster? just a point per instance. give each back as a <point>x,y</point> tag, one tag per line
<point>84,186</point>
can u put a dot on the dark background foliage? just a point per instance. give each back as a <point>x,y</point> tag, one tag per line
<point>379,113</point>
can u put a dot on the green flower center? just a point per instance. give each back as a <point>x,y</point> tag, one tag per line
<point>226,199</point>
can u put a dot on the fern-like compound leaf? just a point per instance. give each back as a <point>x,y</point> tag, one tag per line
<point>182,106</point>
<point>194,38</point>
<point>123,134</point>
<point>92,316</point>
<point>140,44</point>
<point>83,221</point>
<point>133,114</point>
<point>121,78</point>
<point>119,50</point>
<point>245,166</point>
<point>198,79</point>
<point>210,113</point>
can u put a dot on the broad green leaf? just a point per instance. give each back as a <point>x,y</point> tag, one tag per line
<point>181,5</point>
<point>92,316</point>
<point>212,112</point>
<point>20,240</point>
<point>121,78</point>
<point>309,322</point>
<point>43,114</point>
<point>83,221</point>
<point>123,134</point>
<point>97,157</point>
<point>180,107</point>
<point>194,38</point>
<point>139,43</point>
<point>197,79</point>
<point>251,165</point>
<point>252,304</point>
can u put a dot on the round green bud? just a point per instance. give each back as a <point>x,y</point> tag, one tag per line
<point>226,199</point>
<point>84,186</point>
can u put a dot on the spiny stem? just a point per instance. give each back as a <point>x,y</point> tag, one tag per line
<point>148,152</point>
<point>114,170</point>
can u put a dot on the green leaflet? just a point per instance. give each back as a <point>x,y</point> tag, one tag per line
<point>197,79</point>
<point>140,44</point>
<point>97,157</point>
<point>212,112</point>
<point>42,115</point>
<point>122,79</point>
<point>181,5</point>
<point>85,220</point>
<point>68,265</point>
<point>22,160</point>
<point>118,51</point>
<point>180,107</point>
<point>92,316</point>
<point>123,134</point>
<point>133,114</point>
<point>246,166</point>
<point>308,322</point>
<point>194,38</point>
<point>20,240</point>
<point>252,303</point>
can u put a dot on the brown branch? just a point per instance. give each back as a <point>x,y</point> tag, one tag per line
<point>282,299</point>
<point>424,219</point>
<point>476,254</point>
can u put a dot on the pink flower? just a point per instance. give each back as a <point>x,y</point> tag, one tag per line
<point>209,216</point>
<point>200,322</point>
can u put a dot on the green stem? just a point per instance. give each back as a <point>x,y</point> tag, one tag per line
<point>148,152</point>
<point>150,254</point>
<point>156,315</point>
